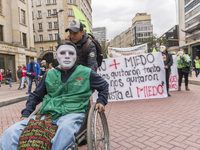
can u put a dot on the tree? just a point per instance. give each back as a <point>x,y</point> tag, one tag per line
<point>151,42</point>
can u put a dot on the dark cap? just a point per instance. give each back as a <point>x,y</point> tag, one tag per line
<point>31,57</point>
<point>75,26</point>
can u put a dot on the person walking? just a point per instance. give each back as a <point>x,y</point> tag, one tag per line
<point>197,66</point>
<point>43,68</point>
<point>1,78</point>
<point>9,77</point>
<point>23,75</point>
<point>33,73</point>
<point>80,38</point>
<point>19,76</point>
<point>184,67</point>
<point>168,61</point>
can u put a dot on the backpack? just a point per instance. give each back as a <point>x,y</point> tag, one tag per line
<point>98,49</point>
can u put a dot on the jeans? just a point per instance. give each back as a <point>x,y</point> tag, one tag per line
<point>64,138</point>
<point>30,84</point>
<point>9,82</point>
<point>22,82</point>
<point>197,70</point>
<point>181,74</point>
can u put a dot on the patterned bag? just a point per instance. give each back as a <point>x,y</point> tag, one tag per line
<point>37,134</point>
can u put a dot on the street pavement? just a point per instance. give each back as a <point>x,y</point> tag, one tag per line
<point>155,124</point>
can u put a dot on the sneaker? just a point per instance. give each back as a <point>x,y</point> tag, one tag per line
<point>10,87</point>
<point>20,88</point>
<point>169,95</point>
<point>28,92</point>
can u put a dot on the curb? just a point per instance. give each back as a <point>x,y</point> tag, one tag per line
<point>194,82</point>
<point>12,101</point>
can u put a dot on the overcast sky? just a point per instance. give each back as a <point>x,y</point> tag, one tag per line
<point>117,15</point>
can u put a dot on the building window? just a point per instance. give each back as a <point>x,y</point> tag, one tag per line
<point>54,1</point>
<point>33,27</point>
<point>75,2</point>
<point>0,6</point>
<point>34,38</point>
<point>48,1</point>
<point>49,13</point>
<point>51,48</point>
<point>70,12</point>
<point>40,26</point>
<point>23,16</point>
<point>24,39</point>
<point>191,5</point>
<point>56,36</point>
<point>38,2</point>
<point>54,11</point>
<point>50,37</point>
<point>50,25</point>
<point>41,49</point>
<point>31,2</point>
<point>70,1</point>
<point>187,1</point>
<point>1,33</point>
<point>192,21</point>
<point>39,14</point>
<point>55,25</point>
<point>32,15</point>
<point>40,37</point>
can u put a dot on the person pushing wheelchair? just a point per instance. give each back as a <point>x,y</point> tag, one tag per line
<point>64,92</point>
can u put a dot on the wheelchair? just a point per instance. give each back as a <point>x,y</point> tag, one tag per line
<point>94,131</point>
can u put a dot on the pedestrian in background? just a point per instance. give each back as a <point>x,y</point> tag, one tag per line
<point>168,61</point>
<point>51,66</point>
<point>80,38</point>
<point>43,68</point>
<point>196,66</point>
<point>1,78</point>
<point>33,73</point>
<point>19,76</point>
<point>9,77</point>
<point>23,75</point>
<point>184,67</point>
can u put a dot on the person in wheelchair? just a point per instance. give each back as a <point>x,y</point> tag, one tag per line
<point>65,93</point>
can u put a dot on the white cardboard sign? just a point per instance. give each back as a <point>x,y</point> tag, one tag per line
<point>134,77</point>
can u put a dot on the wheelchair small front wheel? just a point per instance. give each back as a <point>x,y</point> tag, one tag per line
<point>97,131</point>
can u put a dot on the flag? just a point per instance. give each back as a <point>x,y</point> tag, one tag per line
<point>80,16</point>
<point>154,50</point>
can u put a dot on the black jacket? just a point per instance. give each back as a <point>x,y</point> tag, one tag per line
<point>9,75</point>
<point>19,74</point>
<point>91,61</point>
<point>169,60</point>
<point>96,82</point>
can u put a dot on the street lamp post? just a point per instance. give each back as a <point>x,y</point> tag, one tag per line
<point>61,10</point>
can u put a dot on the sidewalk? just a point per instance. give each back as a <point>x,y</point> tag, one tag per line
<point>13,95</point>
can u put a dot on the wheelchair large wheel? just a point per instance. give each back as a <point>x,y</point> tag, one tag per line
<point>97,131</point>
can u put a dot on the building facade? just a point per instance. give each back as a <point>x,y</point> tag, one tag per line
<point>16,34</point>
<point>100,33</point>
<point>173,33</point>
<point>142,28</point>
<point>189,26</point>
<point>46,24</point>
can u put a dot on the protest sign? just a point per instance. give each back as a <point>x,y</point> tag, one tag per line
<point>118,52</point>
<point>134,77</point>
<point>173,79</point>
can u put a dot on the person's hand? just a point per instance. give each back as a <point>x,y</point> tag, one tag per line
<point>22,118</point>
<point>38,76</point>
<point>166,67</point>
<point>181,57</point>
<point>101,107</point>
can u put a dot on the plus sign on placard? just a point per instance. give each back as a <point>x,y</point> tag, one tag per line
<point>115,64</point>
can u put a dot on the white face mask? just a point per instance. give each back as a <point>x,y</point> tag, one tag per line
<point>180,53</point>
<point>162,48</point>
<point>66,56</point>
